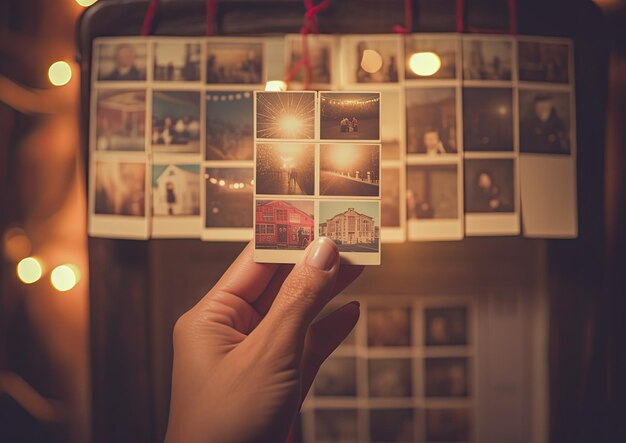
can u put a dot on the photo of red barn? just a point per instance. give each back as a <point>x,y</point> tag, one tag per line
<point>281,224</point>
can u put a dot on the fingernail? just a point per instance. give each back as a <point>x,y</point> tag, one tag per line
<point>323,254</point>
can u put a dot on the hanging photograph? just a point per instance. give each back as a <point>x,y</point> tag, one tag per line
<point>122,60</point>
<point>350,170</point>
<point>337,377</point>
<point>370,60</point>
<point>431,121</point>
<point>392,425</point>
<point>120,120</point>
<point>177,61</point>
<point>430,57</point>
<point>543,61</point>
<point>487,59</point>
<point>391,124</point>
<point>175,122</point>
<point>488,119</point>
<point>491,196</point>
<point>320,53</point>
<point>544,122</point>
<point>354,226</point>
<point>388,326</point>
<point>446,377</point>
<point>392,205</point>
<point>229,122</point>
<point>228,203</point>
<point>336,425</point>
<point>285,168</point>
<point>350,116</point>
<point>118,197</point>
<point>448,425</point>
<point>433,205</point>
<point>389,377</point>
<point>285,115</point>
<point>234,61</point>
<point>445,326</point>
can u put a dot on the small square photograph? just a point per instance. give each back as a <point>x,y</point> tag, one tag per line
<point>448,425</point>
<point>337,377</point>
<point>488,119</point>
<point>122,61</point>
<point>430,58</point>
<point>229,125</point>
<point>320,52</point>
<point>336,425</point>
<point>390,199</point>
<point>353,225</point>
<point>120,120</point>
<point>432,192</point>
<point>350,116</point>
<point>175,189</point>
<point>284,224</point>
<point>120,188</point>
<point>177,61</point>
<point>388,326</point>
<point>285,115</point>
<point>350,170</point>
<point>229,197</point>
<point>176,121</point>
<point>234,63</point>
<point>390,377</point>
<point>543,62</point>
<point>445,326</point>
<point>390,124</point>
<point>487,59</point>
<point>375,61</point>
<point>392,425</point>
<point>544,122</point>
<point>285,168</point>
<point>489,185</point>
<point>431,121</point>
<point>446,377</point>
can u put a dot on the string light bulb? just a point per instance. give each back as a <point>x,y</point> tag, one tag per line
<point>60,73</point>
<point>276,85</point>
<point>65,277</point>
<point>85,3</point>
<point>371,61</point>
<point>425,64</point>
<point>29,270</point>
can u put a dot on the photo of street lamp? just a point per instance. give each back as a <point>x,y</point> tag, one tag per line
<point>285,115</point>
<point>285,169</point>
<point>350,170</point>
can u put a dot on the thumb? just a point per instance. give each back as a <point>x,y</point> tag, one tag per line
<point>303,294</point>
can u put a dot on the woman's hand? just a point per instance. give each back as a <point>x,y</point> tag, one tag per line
<point>245,356</point>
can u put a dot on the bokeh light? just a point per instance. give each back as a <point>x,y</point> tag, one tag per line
<point>16,244</point>
<point>425,64</point>
<point>275,85</point>
<point>29,270</point>
<point>85,3</point>
<point>372,61</point>
<point>60,73</point>
<point>64,277</point>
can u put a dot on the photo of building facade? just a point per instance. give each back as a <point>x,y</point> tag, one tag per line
<point>283,225</point>
<point>351,228</point>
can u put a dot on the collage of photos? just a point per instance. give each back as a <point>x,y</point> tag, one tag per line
<point>317,179</point>
<point>405,374</point>
<point>495,113</point>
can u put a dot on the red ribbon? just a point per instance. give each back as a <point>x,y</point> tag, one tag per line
<point>408,19</point>
<point>146,27</point>
<point>211,9</point>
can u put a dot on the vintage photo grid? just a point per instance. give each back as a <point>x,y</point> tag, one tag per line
<point>484,146</point>
<point>406,373</point>
<point>317,173</point>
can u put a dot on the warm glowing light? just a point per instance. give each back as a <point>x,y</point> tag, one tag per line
<point>275,85</point>
<point>502,110</point>
<point>290,125</point>
<point>86,3</point>
<point>29,270</point>
<point>425,63</point>
<point>64,277</point>
<point>222,183</point>
<point>60,73</point>
<point>372,61</point>
<point>16,244</point>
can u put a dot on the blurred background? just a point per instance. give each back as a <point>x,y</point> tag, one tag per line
<point>86,360</point>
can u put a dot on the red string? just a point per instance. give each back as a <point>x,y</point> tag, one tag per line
<point>211,9</point>
<point>460,15</point>
<point>146,28</point>
<point>460,19</point>
<point>408,19</point>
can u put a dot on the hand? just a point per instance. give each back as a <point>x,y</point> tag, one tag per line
<point>245,356</point>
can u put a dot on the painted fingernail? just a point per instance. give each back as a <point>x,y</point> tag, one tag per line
<point>323,254</point>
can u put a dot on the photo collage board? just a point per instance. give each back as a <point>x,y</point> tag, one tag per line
<point>477,134</point>
<point>406,373</point>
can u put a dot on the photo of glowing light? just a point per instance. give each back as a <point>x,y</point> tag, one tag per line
<point>425,64</point>
<point>350,170</point>
<point>285,115</point>
<point>29,270</point>
<point>228,194</point>
<point>285,169</point>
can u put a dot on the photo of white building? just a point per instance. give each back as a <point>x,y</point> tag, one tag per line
<point>353,231</point>
<point>176,189</point>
